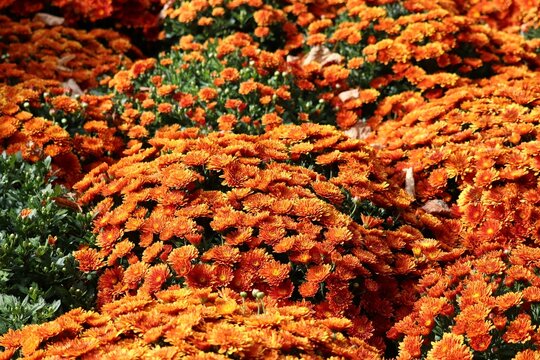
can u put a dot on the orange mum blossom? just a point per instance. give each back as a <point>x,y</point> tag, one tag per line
<point>491,301</point>
<point>236,211</point>
<point>189,323</point>
<point>142,15</point>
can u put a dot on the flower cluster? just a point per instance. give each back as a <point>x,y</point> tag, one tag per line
<point>34,136</point>
<point>189,324</point>
<point>476,147</point>
<point>39,119</point>
<point>506,15</point>
<point>486,306</point>
<point>530,28</point>
<point>398,47</point>
<point>275,24</point>
<point>139,14</point>
<point>226,84</point>
<point>265,20</point>
<point>38,49</point>
<point>236,83</point>
<point>44,110</point>
<point>366,170</point>
<point>245,212</point>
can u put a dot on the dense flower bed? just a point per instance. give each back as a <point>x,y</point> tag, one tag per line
<point>280,179</point>
<point>140,14</point>
<point>190,324</point>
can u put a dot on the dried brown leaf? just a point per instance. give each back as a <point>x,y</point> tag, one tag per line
<point>359,131</point>
<point>67,203</point>
<point>349,94</point>
<point>49,19</point>
<point>292,59</point>
<point>73,87</point>
<point>409,181</point>
<point>436,206</point>
<point>63,61</point>
<point>164,9</point>
<point>321,55</point>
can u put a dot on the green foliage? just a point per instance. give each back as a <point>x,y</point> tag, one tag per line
<point>532,33</point>
<point>15,313</point>
<point>39,229</point>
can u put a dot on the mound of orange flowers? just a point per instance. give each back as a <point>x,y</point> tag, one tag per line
<point>41,48</point>
<point>488,304</point>
<point>188,324</point>
<point>245,212</point>
<point>140,14</point>
<point>39,118</point>
<point>476,147</point>
<point>288,178</point>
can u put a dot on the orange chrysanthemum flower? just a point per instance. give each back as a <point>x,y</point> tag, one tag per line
<point>164,108</point>
<point>223,275</point>
<point>411,347</point>
<point>230,74</point>
<point>88,259</point>
<point>476,291</point>
<point>200,276</point>
<point>107,238</point>
<point>207,94</point>
<point>328,191</point>
<point>317,274</point>
<point>489,229</point>
<point>520,330</point>
<point>151,252</point>
<point>451,347</point>
<point>247,87</point>
<point>180,259</point>
<point>121,249</point>
<point>155,277</point>
<point>225,255</point>
<point>135,274</point>
<point>309,289</point>
<point>274,272</point>
<point>508,300</point>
